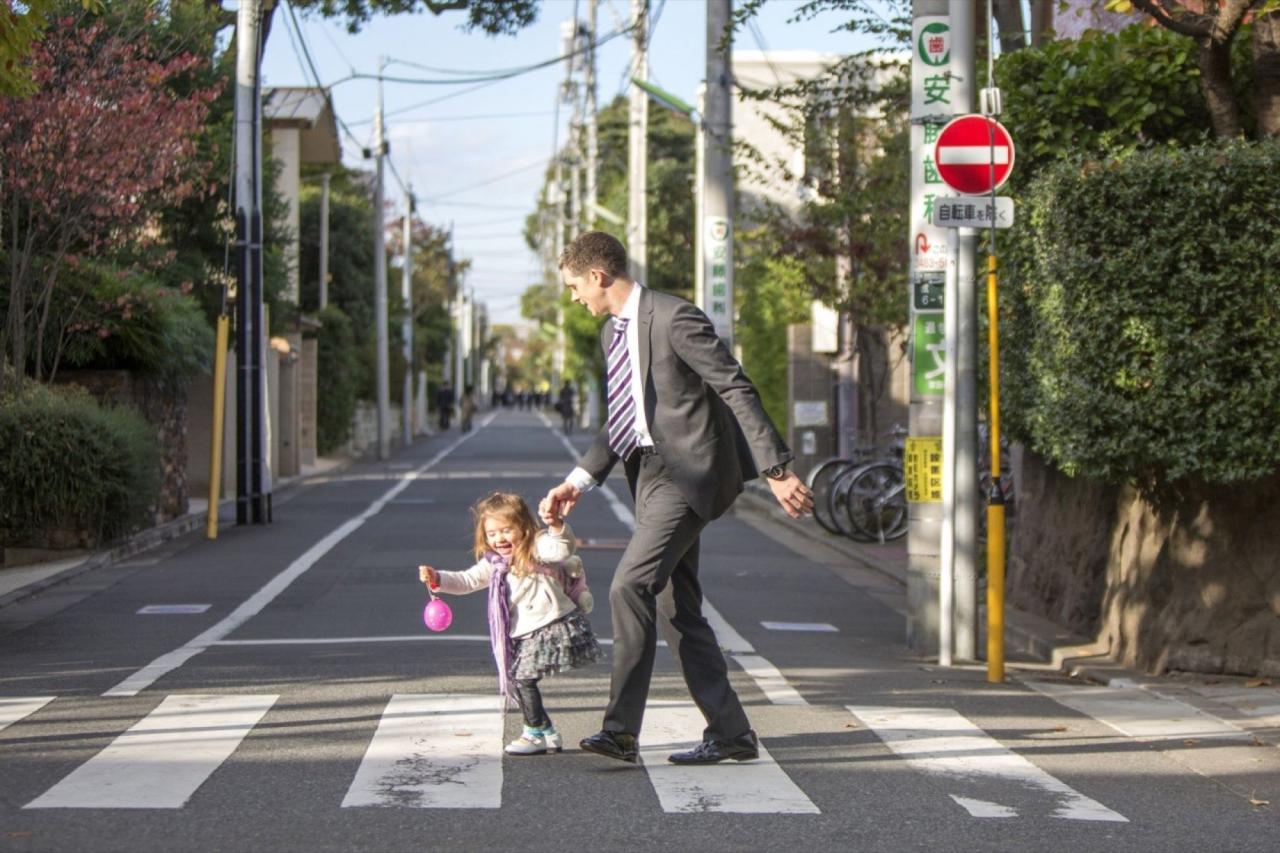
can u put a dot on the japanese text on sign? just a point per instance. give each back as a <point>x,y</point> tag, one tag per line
<point>922,469</point>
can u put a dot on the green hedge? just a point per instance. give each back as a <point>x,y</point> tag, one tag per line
<point>1142,316</point>
<point>67,463</point>
<point>337,380</point>
<point>125,319</point>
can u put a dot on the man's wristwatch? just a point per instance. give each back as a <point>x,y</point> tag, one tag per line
<point>777,472</point>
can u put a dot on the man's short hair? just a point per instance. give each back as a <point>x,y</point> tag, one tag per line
<point>595,250</point>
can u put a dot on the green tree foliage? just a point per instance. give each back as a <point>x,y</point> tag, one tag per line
<point>337,383</point>
<point>1146,330</point>
<point>350,261</point>
<point>1104,94</point>
<point>124,318</point>
<point>669,202</point>
<point>495,17</point>
<point>435,275</point>
<point>772,292</point>
<point>1211,27</point>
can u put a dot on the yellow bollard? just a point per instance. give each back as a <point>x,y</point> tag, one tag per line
<point>219,405</point>
<point>995,501</point>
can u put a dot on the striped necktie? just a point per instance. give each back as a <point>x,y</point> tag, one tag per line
<point>622,403</point>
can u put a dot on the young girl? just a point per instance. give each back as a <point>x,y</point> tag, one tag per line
<point>538,599</point>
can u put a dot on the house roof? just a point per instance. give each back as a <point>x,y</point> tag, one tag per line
<point>310,111</point>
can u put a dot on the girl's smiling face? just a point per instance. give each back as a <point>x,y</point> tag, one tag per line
<point>502,534</point>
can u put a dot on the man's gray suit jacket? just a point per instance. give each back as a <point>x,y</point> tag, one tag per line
<point>704,415</point>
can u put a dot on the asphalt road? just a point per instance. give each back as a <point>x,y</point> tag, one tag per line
<point>307,708</point>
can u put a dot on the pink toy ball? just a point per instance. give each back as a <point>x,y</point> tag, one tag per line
<point>437,616</point>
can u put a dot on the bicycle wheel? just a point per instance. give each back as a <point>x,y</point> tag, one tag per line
<point>877,502</point>
<point>820,480</point>
<point>838,502</point>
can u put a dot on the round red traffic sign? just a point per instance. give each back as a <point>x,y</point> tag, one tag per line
<point>973,154</point>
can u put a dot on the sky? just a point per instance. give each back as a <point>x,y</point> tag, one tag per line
<point>476,156</point>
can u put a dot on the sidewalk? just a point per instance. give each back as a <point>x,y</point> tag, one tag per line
<point>19,582</point>
<point>1025,634</point>
<point>1036,647</point>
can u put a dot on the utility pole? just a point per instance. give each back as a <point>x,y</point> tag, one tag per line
<point>593,143</point>
<point>324,240</point>
<point>406,323</point>
<point>967,496</point>
<point>253,478</point>
<point>716,226</point>
<point>699,191</point>
<point>638,146</point>
<point>931,107</point>
<point>380,279</point>
<point>460,346</point>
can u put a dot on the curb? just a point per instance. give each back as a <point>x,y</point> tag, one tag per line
<point>145,540</point>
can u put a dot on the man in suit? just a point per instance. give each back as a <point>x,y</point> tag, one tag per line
<point>689,429</point>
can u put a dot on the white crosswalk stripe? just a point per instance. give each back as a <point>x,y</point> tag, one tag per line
<point>433,752</point>
<point>756,787</point>
<point>942,743</point>
<point>14,709</point>
<point>1138,713</point>
<point>161,761</point>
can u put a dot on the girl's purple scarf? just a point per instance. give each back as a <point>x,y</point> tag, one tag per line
<point>504,648</point>
<point>500,624</point>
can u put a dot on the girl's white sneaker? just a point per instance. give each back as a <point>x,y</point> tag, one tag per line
<point>536,742</point>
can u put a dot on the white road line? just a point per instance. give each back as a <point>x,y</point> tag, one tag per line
<point>817,627</point>
<point>403,638</point>
<point>755,787</point>
<point>941,742</point>
<point>767,677</point>
<point>1137,713</point>
<point>170,661</point>
<point>433,752</point>
<point>730,640</point>
<point>981,808</point>
<point>161,761</point>
<point>14,709</point>
<point>770,680</point>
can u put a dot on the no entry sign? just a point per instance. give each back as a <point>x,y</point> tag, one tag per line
<point>966,151</point>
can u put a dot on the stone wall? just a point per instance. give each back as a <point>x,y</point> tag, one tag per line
<point>165,408</point>
<point>1189,582</point>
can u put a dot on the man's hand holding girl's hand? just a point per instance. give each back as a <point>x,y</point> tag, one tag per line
<point>428,576</point>
<point>550,517</point>
<point>561,500</point>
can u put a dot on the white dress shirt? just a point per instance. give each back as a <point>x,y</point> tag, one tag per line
<point>581,480</point>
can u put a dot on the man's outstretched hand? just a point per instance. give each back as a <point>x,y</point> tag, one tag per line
<point>560,501</point>
<point>792,494</point>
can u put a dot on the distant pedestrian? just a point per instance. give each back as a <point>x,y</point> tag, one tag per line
<point>467,408</point>
<point>538,601</point>
<point>567,407</point>
<point>444,404</point>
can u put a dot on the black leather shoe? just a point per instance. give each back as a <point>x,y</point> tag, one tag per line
<point>619,745</point>
<point>744,747</point>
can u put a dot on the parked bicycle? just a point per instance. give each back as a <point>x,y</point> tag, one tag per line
<point>865,497</point>
<point>860,497</point>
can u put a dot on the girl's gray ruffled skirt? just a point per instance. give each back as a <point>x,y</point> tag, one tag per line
<point>565,644</point>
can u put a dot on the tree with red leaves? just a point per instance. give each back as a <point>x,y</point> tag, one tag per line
<point>102,145</point>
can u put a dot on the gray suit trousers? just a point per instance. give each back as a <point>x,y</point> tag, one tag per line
<point>659,573</point>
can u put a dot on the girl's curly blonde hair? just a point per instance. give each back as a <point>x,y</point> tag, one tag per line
<point>512,509</point>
